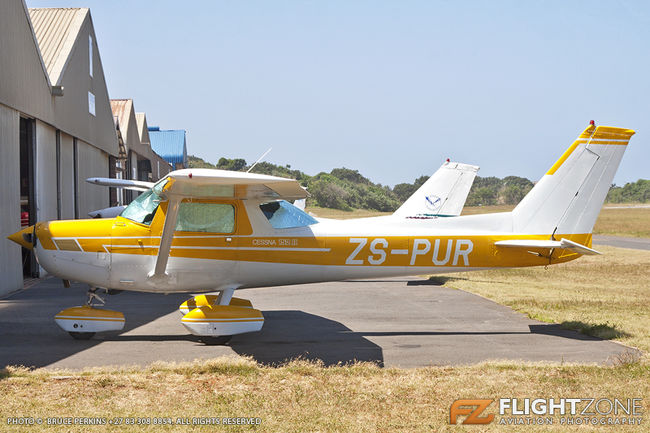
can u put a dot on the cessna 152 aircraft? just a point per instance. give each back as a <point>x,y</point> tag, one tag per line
<point>216,231</point>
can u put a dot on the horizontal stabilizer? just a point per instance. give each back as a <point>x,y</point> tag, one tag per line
<point>564,244</point>
<point>136,185</point>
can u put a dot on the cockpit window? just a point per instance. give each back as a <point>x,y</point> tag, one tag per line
<point>206,217</point>
<point>283,215</point>
<point>143,208</point>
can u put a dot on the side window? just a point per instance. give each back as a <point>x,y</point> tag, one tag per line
<point>206,217</point>
<point>283,215</point>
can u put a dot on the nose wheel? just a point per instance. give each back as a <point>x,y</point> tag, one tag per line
<point>215,341</point>
<point>94,300</point>
<point>93,296</point>
<point>83,322</point>
<point>82,335</point>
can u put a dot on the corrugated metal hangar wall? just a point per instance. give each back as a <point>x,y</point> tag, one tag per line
<point>56,125</point>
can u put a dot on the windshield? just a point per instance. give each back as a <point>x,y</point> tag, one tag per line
<point>283,215</point>
<point>143,208</point>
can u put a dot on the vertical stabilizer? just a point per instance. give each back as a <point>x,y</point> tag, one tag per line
<point>568,199</point>
<point>443,194</point>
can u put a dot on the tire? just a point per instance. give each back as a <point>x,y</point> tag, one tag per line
<point>216,341</point>
<point>82,335</point>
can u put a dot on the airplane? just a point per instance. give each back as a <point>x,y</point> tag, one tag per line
<point>201,230</point>
<point>443,194</point>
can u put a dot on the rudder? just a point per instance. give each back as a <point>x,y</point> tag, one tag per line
<point>568,199</point>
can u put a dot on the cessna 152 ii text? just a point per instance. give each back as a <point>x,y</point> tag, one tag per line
<point>200,230</point>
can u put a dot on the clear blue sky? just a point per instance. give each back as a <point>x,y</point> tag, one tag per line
<point>388,88</point>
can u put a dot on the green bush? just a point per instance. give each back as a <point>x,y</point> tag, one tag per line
<point>347,189</point>
<point>632,192</point>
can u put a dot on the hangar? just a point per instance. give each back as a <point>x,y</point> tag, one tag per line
<point>137,159</point>
<point>59,127</point>
<point>54,113</point>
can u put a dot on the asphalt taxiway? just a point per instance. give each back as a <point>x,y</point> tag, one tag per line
<point>406,322</point>
<point>622,242</point>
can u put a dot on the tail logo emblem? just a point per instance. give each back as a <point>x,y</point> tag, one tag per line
<point>432,202</point>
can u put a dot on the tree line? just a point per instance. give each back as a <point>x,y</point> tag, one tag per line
<point>347,189</point>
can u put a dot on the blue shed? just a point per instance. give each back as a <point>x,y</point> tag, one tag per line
<point>170,144</point>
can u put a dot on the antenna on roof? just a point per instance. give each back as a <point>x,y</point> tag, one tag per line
<point>259,159</point>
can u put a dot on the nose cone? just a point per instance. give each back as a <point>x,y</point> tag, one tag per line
<point>25,237</point>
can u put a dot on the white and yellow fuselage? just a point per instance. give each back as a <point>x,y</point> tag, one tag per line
<point>210,230</point>
<point>120,254</point>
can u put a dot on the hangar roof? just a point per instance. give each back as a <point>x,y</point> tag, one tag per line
<point>143,130</point>
<point>56,30</point>
<point>124,111</point>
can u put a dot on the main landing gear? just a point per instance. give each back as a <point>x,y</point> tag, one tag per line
<point>215,319</point>
<point>84,321</point>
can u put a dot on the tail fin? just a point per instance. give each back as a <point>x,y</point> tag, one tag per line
<point>443,194</point>
<point>568,199</point>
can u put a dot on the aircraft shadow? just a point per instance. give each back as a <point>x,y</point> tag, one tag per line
<point>562,330</point>
<point>29,336</point>
<point>550,329</point>
<point>292,334</point>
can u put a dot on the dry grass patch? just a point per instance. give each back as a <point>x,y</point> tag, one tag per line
<point>633,222</point>
<point>606,296</point>
<point>323,212</point>
<point>302,396</point>
<point>473,210</point>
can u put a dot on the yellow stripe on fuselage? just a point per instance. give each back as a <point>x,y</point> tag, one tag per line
<point>396,251</point>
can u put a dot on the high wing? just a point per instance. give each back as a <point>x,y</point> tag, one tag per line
<point>207,183</point>
<point>109,212</point>
<point>136,185</point>
<point>444,194</point>
<point>550,244</point>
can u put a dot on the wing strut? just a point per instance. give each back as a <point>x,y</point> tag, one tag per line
<point>167,237</point>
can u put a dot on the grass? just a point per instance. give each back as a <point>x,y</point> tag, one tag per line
<point>324,212</point>
<point>631,222</point>
<point>302,396</point>
<point>473,210</point>
<point>606,296</point>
